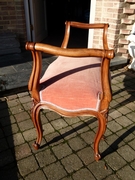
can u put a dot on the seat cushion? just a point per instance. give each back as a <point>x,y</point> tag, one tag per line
<point>72,84</point>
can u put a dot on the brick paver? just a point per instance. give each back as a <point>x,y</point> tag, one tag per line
<point>67,145</point>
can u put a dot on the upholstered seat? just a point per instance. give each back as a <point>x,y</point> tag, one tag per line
<point>77,83</point>
<point>63,83</point>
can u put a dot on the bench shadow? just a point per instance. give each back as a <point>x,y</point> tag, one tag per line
<point>73,130</point>
<point>114,146</point>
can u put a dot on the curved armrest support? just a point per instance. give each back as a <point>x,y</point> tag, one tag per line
<point>69,24</point>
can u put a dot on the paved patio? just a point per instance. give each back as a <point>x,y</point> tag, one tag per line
<point>67,146</point>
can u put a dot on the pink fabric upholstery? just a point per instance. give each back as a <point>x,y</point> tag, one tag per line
<point>72,83</point>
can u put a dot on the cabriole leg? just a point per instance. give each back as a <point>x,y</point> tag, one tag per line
<point>37,124</point>
<point>101,129</point>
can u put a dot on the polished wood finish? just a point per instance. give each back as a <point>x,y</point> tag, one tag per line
<point>106,96</point>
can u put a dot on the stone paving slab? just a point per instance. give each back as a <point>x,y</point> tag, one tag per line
<point>15,70</point>
<point>67,146</point>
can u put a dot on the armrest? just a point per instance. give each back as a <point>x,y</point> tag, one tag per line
<point>74,52</point>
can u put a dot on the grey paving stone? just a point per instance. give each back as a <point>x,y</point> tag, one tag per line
<point>114,81</point>
<point>22,151</point>
<point>12,81</point>
<point>76,143</point>
<point>99,170</point>
<point>25,125</point>
<point>121,100</point>
<point>22,67</point>
<point>72,120</point>
<point>132,144</point>
<point>115,88</point>
<point>88,137</point>
<point>131,116</point>
<point>85,118</point>
<point>133,164</point>
<point>115,161</point>
<point>68,132</point>
<point>126,173</point>
<point>55,171</point>
<point>11,129</point>
<point>125,135</point>
<point>52,115</point>
<point>54,139</point>
<point>131,128</point>
<point>131,106</point>
<point>80,127</point>
<point>45,158</point>
<point>113,103</point>
<point>27,165</point>
<point>114,126</point>
<point>83,174</point>
<point>119,79</point>
<point>114,141</point>
<point>11,97</point>
<point>36,175</point>
<point>13,102</point>
<point>59,124</point>
<point>72,163</point>
<point>123,121</point>
<point>16,109</point>
<point>25,99</point>
<point>92,123</point>
<point>121,85</point>
<point>15,139</point>
<point>22,116</point>
<point>7,70</point>
<point>104,148</point>
<point>86,155</point>
<point>48,128</point>
<point>29,134</point>
<point>123,93</point>
<point>67,178</point>
<point>43,118</point>
<point>107,132</point>
<point>112,177</point>
<point>23,94</point>
<point>127,153</point>
<point>114,113</point>
<point>62,150</point>
<point>124,110</point>
<point>27,106</point>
